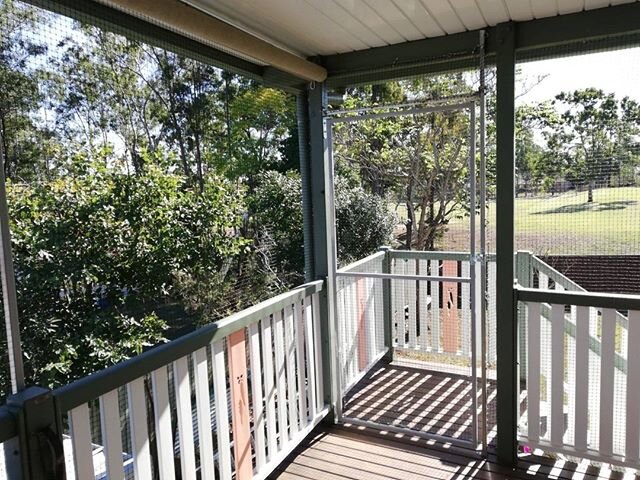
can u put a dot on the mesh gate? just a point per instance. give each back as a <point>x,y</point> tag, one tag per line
<point>408,316</point>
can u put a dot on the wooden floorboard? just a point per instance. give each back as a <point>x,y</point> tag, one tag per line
<point>349,453</point>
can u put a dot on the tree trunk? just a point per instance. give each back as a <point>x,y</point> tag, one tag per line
<point>590,193</point>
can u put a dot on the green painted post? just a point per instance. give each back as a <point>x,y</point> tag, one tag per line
<point>318,149</point>
<point>507,399</point>
<point>386,303</point>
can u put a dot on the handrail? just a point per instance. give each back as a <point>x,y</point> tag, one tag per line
<point>585,299</point>
<point>8,426</point>
<point>362,262</point>
<point>435,255</point>
<point>92,386</point>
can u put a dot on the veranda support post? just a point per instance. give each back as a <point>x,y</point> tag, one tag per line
<point>323,238</point>
<point>507,400</point>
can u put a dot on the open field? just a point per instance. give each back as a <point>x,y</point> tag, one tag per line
<point>564,224</point>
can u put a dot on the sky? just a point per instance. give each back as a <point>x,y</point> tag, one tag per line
<point>615,72</point>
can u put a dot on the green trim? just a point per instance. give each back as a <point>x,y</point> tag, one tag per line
<point>507,331</point>
<point>100,15</point>
<point>8,425</point>
<point>580,299</point>
<point>92,386</point>
<point>536,39</point>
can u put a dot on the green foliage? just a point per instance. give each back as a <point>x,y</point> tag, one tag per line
<point>364,222</point>
<point>99,252</point>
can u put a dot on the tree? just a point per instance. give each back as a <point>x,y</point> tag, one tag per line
<point>587,136</point>
<point>100,254</point>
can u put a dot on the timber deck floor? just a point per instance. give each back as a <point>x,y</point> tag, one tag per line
<point>413,396</point>
<point>349,453</point>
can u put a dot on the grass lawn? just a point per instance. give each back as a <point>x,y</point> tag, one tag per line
<point>565,224</point>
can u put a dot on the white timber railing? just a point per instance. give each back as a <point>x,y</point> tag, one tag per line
<point>582,373</point>
<point>230,400</point>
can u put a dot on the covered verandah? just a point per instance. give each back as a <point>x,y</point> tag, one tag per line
<point>345,377</point>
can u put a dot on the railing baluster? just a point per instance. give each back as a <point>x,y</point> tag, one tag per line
<point>423,305</point>
<point>411,304</point>
<point>607,371</point>
<point>203,407</point>
<point>315,300</point>
<point>222,409</point>
<point>308,323</point>
<point>302,380</point>
<point>466,312</point>
<point>237,360</point>
<point>491,316</point>
<point>557,375</point>
<point>281,379</point>
<point>533,373</point>
<point>435,308</point>
<point>111,434</point>
<point>581,417</point>
<point>257,396</point>
<point>269,388</point>
<point>372,332</point>
<point>290,345</point>
<point>632,441</point>
<point>185,419</point>
<point>164,437</point>
<point>400,291</point>
<point>139,431</point>
<point>81,441</point>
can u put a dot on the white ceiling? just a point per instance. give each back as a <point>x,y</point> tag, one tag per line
<point>324,27</point>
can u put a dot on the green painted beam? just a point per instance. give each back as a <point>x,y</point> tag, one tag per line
<point>507,328</point>
<point>94,13</point>
<point>536,39</point>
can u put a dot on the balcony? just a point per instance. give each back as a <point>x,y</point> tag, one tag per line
<point>247,396</point>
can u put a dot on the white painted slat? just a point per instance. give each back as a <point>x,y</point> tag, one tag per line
<point>445,16</point>
<point>257,396</point>
<point>570,6</point>
<point>139,432</point>
<point>607,358</point>
<point>290,347</point>
<point>533,373</point>
<point>81,441</point>
<point>352,344</point>
<point>342,332</point>
<point>557,374</point>
<point>593,4</point>
<point>222,409</point>
<point>400,303</point>
<point>421,18</point>
<point>310,357</point>
<point>494,11</point>
<point>582,379</point>
<point>203,407</point>
<point>469,14</point>
<point>281,378</point>
<point>302,375</point>
<point>423,310</point>
<point>370,319</point>
<point>491,316</point>
<point>111,434</point>
<point>466,313</point>
<point>395,18</point>
<point>315,299</point>
<point>632,436</point>
<point>162,412</point>
<point>269,387</point>
<point>185,419</point>
<point>372,19</point>
<point>435,307</point>
<point>544,8</point>
<point>519,10</point>
<point>543,281</point>
<point>410,286</point>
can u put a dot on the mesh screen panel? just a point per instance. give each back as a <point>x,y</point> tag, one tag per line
<point>576,212</point>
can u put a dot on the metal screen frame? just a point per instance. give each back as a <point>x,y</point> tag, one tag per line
<point>477,260</point>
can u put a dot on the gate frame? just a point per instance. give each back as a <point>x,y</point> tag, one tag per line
<point>476,259</point>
